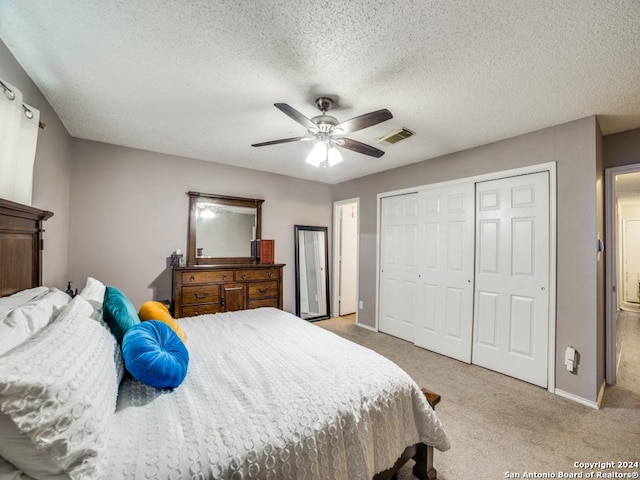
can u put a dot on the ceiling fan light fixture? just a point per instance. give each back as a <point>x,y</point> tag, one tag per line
<point>328,132</point>
<point>318,154</point>
<point>334,157</point>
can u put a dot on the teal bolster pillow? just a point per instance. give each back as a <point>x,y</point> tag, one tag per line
<point>118,312</point>
<point>154,354</point>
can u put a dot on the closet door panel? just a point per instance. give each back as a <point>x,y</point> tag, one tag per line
<point>511,324</point>
<point>398,275</point>
<point>445,269</point>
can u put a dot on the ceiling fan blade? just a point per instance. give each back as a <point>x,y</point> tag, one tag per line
<point>363,121</point>
<point>283,140</point>
<point>295,114</point>
<point>360,147</point>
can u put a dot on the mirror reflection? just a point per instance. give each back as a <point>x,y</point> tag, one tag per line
<point>224,230</point>
<point>312,272</point>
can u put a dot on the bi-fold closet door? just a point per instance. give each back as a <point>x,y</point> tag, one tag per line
<point>465,272</point>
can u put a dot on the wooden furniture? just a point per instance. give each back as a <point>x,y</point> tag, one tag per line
<point>420,453</point>
<point>21,246</point>
<point>227,287</point>
<point>264,251</point>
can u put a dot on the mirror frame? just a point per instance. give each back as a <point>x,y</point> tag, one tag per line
<point>325,231</point>
<point>194,199</point>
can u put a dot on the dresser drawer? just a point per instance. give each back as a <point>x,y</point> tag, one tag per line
<point>198,290</point>
<point>261,274</point>
<point>193,310</point>
<point>264,302</point>
<point>263,289</point>
<point>200,294</point>
<point>211,276</point>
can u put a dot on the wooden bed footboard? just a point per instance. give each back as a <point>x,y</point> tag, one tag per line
<point>420,453</point>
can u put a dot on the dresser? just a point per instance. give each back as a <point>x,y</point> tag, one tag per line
<point>204,289</point>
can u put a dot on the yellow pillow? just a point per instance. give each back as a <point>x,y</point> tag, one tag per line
<point>158,311</point>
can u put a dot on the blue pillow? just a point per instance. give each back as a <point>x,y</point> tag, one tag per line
<point>118,312</point>
<point>155,355</point>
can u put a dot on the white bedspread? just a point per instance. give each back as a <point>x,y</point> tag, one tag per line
<point>270,396</point>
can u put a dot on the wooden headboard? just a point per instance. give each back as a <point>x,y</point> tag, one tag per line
<point>20,246</point>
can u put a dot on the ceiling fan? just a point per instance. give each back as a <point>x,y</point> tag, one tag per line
<point>329,132</point>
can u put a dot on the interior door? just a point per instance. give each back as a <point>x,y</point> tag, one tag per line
<point>445,274</point>
<point>399,266</point>
<point>348,257</point>
<point>511,313</point>
<point>631,249</point>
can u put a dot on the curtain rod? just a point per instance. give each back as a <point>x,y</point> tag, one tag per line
<point>10,94</point>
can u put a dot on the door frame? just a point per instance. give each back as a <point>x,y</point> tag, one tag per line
<point>541,167</point>
<point>337,233</point>
<point>611,255</point>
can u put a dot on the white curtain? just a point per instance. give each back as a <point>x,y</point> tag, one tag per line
<point>18,138</point>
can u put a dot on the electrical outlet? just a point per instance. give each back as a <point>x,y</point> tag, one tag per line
<point>361,304</point>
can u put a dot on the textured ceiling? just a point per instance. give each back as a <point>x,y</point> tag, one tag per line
<point>198,78</point>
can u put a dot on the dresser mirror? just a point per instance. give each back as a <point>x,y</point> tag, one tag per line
<point>312,272</point>
<point>221,228</point>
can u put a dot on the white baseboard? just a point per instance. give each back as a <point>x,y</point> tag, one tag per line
<point>576,398</point>
<point>367,327</point>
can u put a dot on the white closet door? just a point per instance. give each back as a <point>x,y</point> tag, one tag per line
<point>398,276</point>
<point>511,315</point>
<point>445,274</point>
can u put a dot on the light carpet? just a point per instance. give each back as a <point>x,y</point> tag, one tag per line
<point>499,425</point>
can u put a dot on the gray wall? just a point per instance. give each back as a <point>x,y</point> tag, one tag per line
<point>573,147</point>
<point>621,148</point>
<point>51,172</point>
<point>129,211</point>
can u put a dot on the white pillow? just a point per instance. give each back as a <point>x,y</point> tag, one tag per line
<point>24,321</point>
<point>33,462</point>
<point>93,292</point>
<point>9,472</point>
<point>20,298</point>
<point>59,388</point>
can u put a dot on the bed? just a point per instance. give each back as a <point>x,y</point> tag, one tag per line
<point>267,395</point>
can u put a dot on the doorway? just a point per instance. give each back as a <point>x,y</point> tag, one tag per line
<point>346,234</point>
<point>622,205</point>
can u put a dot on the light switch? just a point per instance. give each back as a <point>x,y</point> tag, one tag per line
<point>570,358</point>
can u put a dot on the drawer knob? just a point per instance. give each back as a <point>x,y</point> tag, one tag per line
<point>270,274</point>
<point>224,277</point>
<point>192,278</point>
<point>263,290</point>
<point>201,295</point>
<point>244,276</point>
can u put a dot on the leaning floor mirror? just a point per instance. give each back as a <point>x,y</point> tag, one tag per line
<point>312,272</point>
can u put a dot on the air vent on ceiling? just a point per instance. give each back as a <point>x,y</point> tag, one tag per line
<point>396,136</point>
